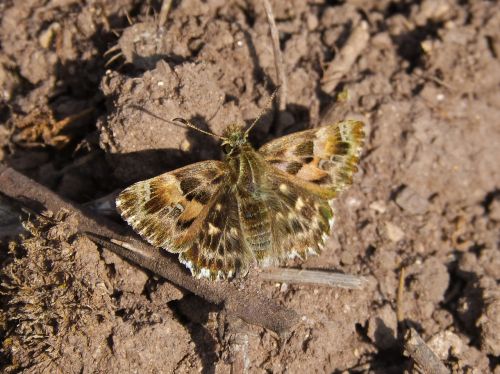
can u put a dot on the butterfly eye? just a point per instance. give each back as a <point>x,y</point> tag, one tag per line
<point>226,148</point>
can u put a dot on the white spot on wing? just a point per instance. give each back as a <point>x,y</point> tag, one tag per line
<point>204,273</point>
<point>311,251</point>
<point>212,230</point>
<point>299,204</point>
<point>283,188</point>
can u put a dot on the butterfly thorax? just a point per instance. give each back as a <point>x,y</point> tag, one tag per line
<point>246,165</point>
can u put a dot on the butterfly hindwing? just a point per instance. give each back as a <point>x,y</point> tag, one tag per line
<point>280,215</point>
<point>219,250</point>
<point>296,221</point>
<point>326,156</point>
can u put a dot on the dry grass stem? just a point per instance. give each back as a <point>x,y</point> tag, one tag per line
<point>278,57</point>
<point>164,11</point>
<point>313,277</point>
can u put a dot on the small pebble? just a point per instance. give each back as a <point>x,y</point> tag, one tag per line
<point>382,327</point>
<point>185,146</point>
<point>378,206</point>
<point>347,258</point>
<point>494,210</point>
<point>443,342</point>
<point>394,232</point>
<point>47,36</point>
<point>411,201</point>
<point>312,21</point>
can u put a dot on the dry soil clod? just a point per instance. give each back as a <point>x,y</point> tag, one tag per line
<point>346,57</point>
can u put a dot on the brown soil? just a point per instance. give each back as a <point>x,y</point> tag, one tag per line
<point>427,198</point>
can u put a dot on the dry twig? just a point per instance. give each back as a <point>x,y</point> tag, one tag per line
<point>313,277</point>
<point>399,298</point>
<point>243,302</point>
<point>420,352</point>
<point>278,57</point>
<point>164,11</point>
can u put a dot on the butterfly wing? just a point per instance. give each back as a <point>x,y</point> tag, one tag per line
<point>312,167</point>
<point>301,220</point>
<point>279,215</point>
<point>190,211</point>
<point>326,156</point>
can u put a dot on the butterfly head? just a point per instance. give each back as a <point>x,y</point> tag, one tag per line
<point>234,138</point>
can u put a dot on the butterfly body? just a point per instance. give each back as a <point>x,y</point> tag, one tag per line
<point>255,206</point>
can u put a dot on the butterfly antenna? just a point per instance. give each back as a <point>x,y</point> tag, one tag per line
<point>266,107</point>
<point>189,124</point>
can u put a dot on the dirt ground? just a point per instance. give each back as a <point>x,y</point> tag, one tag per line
<point>85,95</point>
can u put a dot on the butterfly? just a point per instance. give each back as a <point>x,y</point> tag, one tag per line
<point>255,206</point>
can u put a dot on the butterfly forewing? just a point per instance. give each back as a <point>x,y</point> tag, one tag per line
<point>169,210</point>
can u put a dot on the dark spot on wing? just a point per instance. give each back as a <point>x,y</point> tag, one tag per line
<point>293,167</point>
<point>221,250</point>
<point>342,148</point>
<point>195,252</point>
<point>219,264</point>
<point>184,225</point>
<point>176,211</point>
<point>202,196</point>
<point>296,226</point>
<point>189,184</point>
<point>304,149</point>
<point>217,179</point>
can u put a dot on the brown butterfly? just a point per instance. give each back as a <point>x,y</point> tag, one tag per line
<point>255,206</point>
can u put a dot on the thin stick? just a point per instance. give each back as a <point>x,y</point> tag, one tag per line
<point>60,125</point>
<point>113,59</point>
<point>399,298</point>
<point>420,352</point>
<point>130,22</point>
<point>278,57</point>
<point>243,301</point>
<point>112,49</point>
<point>313,277</point>
<point>164,11</point>
<point>239,347</point>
